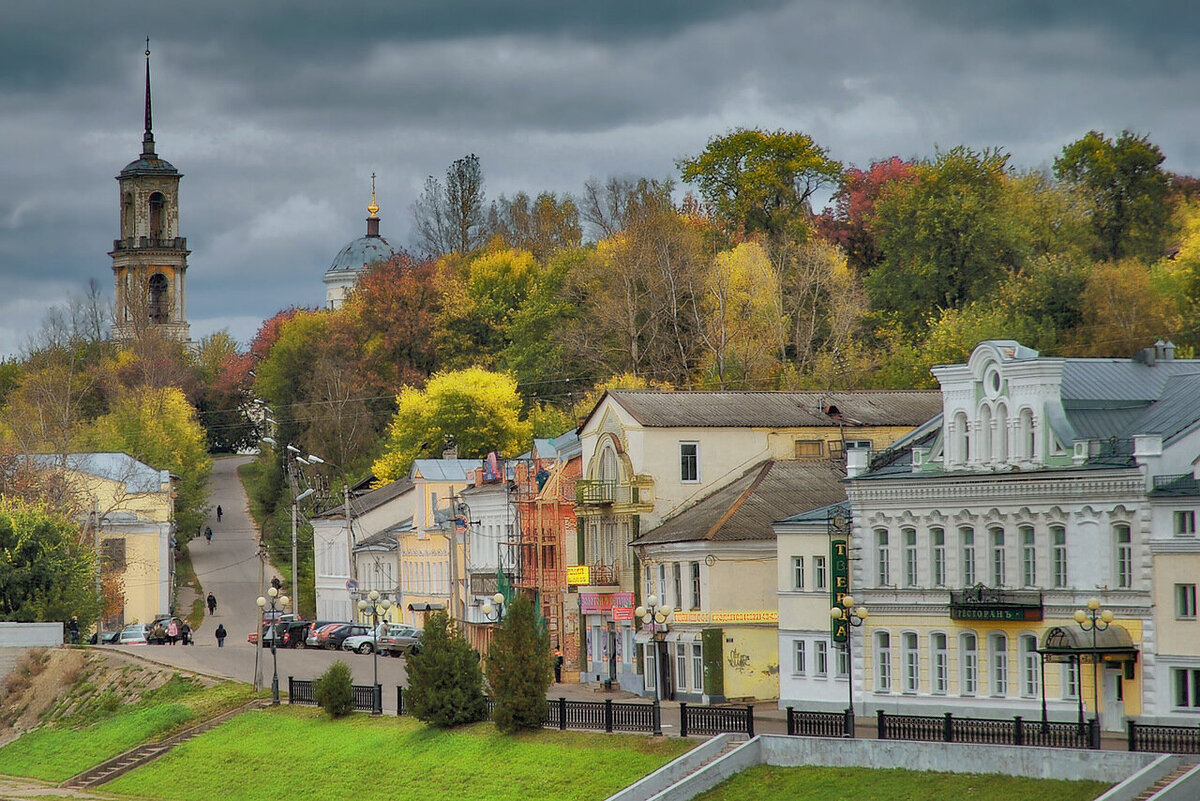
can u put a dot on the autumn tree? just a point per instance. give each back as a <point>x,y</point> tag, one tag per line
<point>1123,311</point>
<point>225,393</point>
<point>46,573</point>
<point>55,391</point>
<point>543,225</point>
<point>847,223</point>
<point>452,217</point>
<point>1125,190</point>
<point>393,311</point>
<point>761,181</point>
<point>611,206</point>
<point>739,318</point>
<point>477,409</point>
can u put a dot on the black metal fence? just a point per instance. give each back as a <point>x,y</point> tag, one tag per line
<point>1164,739</point>
<point>695,719</point>
<point>988,731</point>
<point>820,724</point>
<point>301,691</point>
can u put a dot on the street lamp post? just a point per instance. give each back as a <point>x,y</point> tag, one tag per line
<point>655,616</point>
<point>1094,620</point>
<point>853,618</point>
<point>277,603</point>
<point>378,609</point>
<point>493,609</point>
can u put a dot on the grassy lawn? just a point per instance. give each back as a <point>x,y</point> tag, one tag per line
<point>397,759</point>
<point>856,784</point>
<point>58,752</point>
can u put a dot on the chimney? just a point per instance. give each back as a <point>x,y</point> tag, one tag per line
<point>1165,350</point>
<point>451,451</point>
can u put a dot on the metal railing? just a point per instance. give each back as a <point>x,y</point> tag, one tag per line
<point>820,724</point>
<point>1165,739</point>
<point>303,691</point>
<point>607,715</point>
<point>695,719</point>
<point>593,492</point>
<point>135,243</point>
<point>987,731</point>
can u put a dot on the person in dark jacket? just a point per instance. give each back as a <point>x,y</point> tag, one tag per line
<point>221,633</point>
<point>219,513</point>
<point>212,604</point>
<point>73,628</point>
<point>185,633</point>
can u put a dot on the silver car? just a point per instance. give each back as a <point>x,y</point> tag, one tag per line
<point>134,634</point>
<point>399,639</point>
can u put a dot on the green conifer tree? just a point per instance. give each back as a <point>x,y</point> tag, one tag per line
<point>444,677</point>
<point>520,669</point>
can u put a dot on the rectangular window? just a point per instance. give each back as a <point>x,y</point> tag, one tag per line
<point>820,577</point>
<point>937,538</point>
<point>689,462</point>
<point>941,665</point>
<point>677,575</point>
<point>797,572</point>
<point>1124,537</point>
<point>969,647</point>
<point>695,585</point>
<point>809,449</point>
<point>1028,557</point>
<point>1187,687</point>
<point>798,657</point>
<point>1185,523</point>
<point>910,557</point>
<point>1058,543</point>
<point>843,663</point>
<point>662,584</point>
<point>999,665</point>
<point>967,536</point>
<point>997,557</point>
<point>821,654</point>
<point>912,664</point>
<point>883,662</point>
<point>697,668</point>
<point>1070,682</point>
<point>681,664</point>
<point>885,568</point>
<point>1185,601</point>
<point>1030,667</point>
<point>648,660</point>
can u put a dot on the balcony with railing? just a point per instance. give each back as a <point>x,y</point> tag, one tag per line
<point>602,575</point>
<point>595,492</point>
<point>637,493</point>
<point>150,243</point>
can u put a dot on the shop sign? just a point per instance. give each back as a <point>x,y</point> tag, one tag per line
<point>839,583</point>
<point>600,602</point>
<point>760,616</point>
<point>998,613</point>
<point>622,613</point>
<point>578,574</point>
<point>691,617</point>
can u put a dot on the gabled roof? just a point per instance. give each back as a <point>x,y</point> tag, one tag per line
<point>361,504</point>
<point>776,409</point>
<point>745,508</point>
<point>818,515</point>
<point>444,469</point>
<point>138,477</point>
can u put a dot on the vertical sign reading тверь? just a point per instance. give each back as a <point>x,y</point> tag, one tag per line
<point>839,564</point>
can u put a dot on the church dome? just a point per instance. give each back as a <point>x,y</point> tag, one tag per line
<point>362,252</point>
<point>148,164</point>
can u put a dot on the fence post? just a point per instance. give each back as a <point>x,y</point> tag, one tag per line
<point>562,713</point>
<point>1094,733</point>
<point>608,715</point>
<point>1018,733</point>
<point>880,725</point>
<point>750,721</point>
<point>791,724</point>
<point>656,718</point>
<point>948,729</point>
<point>377,699</point>
<point>683,719</point>
<point>1131,735</point>
<point>399,700</point>
<point>291,694</point>
<point>848,726</point>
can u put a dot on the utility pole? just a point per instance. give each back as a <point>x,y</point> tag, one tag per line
<point>94,519</point>
<point>258,644</point>
<point>452,601</point>
<point>295,504</point>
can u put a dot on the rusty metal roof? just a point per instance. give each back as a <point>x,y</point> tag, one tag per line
<point>745,508</point>
<point>777,409</point>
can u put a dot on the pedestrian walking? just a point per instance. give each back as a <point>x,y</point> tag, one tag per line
<point>212,604</point>
<point>185,634</point>
<point>221,635</point>
<point>558,663</point>
<point>158,634</point>
<point>208,533</point>
<point>219,513</point>
<point>173,631</point>
<point>73,628</point>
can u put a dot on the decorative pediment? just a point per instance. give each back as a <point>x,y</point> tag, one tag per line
<point>936,519</point>
<point>1025,515</point>
<point>965,518</point>
<point>1087,513</point>
<point>907,519</point>
<point>1121,514</point>
<point>1055,515</point>
<point>878,519</point>
<point>994,517</point>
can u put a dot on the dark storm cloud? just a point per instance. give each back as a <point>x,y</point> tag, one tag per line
<point>277,112</point>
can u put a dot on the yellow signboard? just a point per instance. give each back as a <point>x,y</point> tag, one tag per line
<point>762,616</point>
<point>690,617</point>
<point>578,574</point>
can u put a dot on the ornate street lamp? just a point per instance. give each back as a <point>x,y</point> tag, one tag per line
<point>378,609</point>
<point>1094,620</point>
<point>853,618</point>
<point>277,602</point>
<point>654,615</point>
<point>493,609</point>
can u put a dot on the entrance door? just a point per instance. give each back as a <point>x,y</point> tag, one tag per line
<point>1112,714</point>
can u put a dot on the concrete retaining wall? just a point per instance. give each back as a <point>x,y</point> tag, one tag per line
<point>744,756</point>
<point>1185,788</point>
<point>1133,786</point>
<point>26,635</point>
<point>673,771</point>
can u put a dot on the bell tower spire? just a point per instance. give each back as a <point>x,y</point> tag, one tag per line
<point>148,136</point>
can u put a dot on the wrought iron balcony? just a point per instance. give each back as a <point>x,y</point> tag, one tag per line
<point>146,243</point>
<point>602,575</point>
<point>593,492</point>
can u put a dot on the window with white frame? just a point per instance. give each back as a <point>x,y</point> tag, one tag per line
<point>937,539</point>
<point>941,663</point>
<point>681,664</point>
<point>966,536</point>
<point>882,559</point>
<point>798,654</point>
<point>1186,684</point>
<point>820,577</point>
<point>910,557</point>
<point>883,662</point>
<point>695,585</point>
<point>797,572</point>
<point>662,584</point>
<point>999,648</point>
<point>1026,438</point>
<point>1028,557</point>
<point>1185,601</point>
<point>1124,541</point>
<point>1031,665</point>
<point>912,663</point>
<point>689,462</point>
<point>843,663</point>
<point>650,663</point>
<point>968,646</point>
<point>1185,523</point>
<point>997,536</point>
<point>1070,680</point>
<point>821,657</point>
<point>697,668</point>
<point>1058,547</point>
<point>677,575</point>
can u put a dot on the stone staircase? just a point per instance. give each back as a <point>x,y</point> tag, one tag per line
<point>1165,782</point>
<point>135,757</point>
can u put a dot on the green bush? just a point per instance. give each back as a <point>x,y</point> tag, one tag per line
<point>444,676</point>
<point>520,669</point>
<point>334,690</point>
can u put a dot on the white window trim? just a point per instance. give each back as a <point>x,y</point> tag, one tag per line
<point>683,480</point>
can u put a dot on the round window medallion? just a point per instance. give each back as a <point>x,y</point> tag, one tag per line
<point>991,380</point>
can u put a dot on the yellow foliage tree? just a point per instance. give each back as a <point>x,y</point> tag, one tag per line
<point>741,322</point>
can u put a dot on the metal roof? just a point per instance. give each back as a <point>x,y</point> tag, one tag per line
<point>362,252</point>
<point>745,508</point>
<point>138,477</point>
<point>444,469</point>
<point>1120,379</point>
<point>361,504</point>
<point>777,409</point>
<point>818,515</point>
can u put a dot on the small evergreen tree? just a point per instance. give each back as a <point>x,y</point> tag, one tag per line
<point>444,678</point>
<point>520,669</point>
<point>334,690</point>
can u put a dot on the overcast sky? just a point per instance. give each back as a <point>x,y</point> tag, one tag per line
<point>277,112</point>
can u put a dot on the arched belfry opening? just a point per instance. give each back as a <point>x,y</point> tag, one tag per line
<point>158,295</point>
<point>157,202</point>
<point>127,216</point>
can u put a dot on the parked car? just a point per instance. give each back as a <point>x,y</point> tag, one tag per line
<point>134,634</point>
<point>281,620</point>
<point>398,639</point>
<point>315,628</point>
<point>364,643</point>
<point>331,637</point>
<point>106,637</point>
<point>295,634</point>
<point>165,620</point>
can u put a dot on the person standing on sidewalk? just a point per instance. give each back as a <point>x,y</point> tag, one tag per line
<point>219,513</point>
<point>221,635</point>
<point>558,663</point>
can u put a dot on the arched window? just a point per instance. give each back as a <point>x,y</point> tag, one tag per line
<point>608,465</point>
<point>1000,440</point>
<point>1025,435</point>
<point>968,647</point>
<point>883,662</point>
<point>984,435</point>
<point>941,663</point>
<point>157,220</point>
<point>157,301</point>
<point>960,445</point>
<point>999,649</point>
<point>127,215</point>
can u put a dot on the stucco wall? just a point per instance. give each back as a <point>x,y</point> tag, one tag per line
<point>751,662</point>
